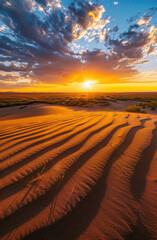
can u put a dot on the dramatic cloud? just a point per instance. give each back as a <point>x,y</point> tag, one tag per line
<point>39,42</point>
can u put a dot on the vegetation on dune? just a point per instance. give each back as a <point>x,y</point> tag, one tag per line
<point>142,100</point>
<point>135,108</point>
<point>152,104</point>
<point>66,101</point>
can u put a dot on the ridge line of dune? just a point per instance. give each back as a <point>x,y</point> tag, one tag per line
<point>28,128</point>
<point>49,148</point>
<point>49,126</point>
<point>70,127</point>
<point>142,167</point>
<point>59,127</point>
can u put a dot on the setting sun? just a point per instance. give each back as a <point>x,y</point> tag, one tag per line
<point>78,119</point>
<point>88,84</point>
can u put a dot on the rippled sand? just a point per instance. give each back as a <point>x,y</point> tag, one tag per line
<point>78,175</point>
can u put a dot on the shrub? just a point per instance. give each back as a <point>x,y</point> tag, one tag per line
<point>134,108</point>
<point>151,104</point>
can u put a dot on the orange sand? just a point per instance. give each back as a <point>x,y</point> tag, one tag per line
<point>68,175</point>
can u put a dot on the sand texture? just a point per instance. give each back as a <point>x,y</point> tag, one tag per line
<point>79,175</point>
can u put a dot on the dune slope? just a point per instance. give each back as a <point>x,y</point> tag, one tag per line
<point>81,175</point>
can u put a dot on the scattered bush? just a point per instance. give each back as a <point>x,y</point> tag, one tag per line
<point>134,108</point>
<point>77,99</point>
<point>152,104</point>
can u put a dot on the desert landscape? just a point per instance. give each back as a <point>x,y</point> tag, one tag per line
<point>78,120</point>
<point>77,174</point>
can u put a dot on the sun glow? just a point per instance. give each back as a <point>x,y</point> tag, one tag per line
<point>88,84</point>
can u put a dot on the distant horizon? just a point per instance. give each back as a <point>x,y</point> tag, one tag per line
<point>79,92</point>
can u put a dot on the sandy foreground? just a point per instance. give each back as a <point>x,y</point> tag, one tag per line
<point>86,175</point>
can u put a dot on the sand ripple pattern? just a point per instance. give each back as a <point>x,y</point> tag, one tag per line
<point>86,175</point>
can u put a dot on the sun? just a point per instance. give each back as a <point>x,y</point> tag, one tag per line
<point>88,84</point>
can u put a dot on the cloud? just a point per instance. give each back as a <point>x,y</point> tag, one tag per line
<point>85,13</point>
<point>38,42</point>
<point>116,3</point>
<point>42,2</point>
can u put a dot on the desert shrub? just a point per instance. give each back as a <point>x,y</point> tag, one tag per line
<point>143,104</point>
<point>152,104</point>
<point>91,100</point>
<point>144,111</point>
<point>134,108</point>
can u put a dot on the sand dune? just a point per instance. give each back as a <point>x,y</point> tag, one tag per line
<point>79,175</point>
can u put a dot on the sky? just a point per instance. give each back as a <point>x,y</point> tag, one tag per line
<point>56,46</point>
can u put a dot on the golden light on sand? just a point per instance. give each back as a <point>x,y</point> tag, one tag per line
<point>88,84</point>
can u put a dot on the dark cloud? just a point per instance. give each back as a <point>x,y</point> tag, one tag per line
<point>13,68</point>
<point>36,44</point>
<point>80,12</point>
<point>150,12</point>
<point>43,2</point>
<point>146,17</point>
